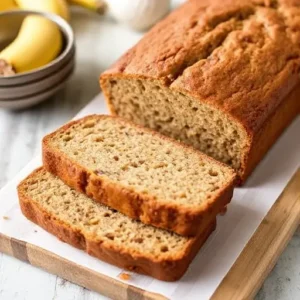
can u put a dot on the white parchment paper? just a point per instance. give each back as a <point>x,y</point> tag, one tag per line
<point>249,206</point>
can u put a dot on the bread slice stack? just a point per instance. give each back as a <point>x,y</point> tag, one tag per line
<point>127,195</point>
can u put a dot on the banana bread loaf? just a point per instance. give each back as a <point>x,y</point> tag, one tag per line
<point>139,172</point>
<point>105,233</point>
<point>220,75</point>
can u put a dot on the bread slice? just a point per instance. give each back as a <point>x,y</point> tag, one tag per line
<point>140,173</point>
<point>105,233</point>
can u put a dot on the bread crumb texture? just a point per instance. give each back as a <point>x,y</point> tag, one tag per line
<point>143,161</point>
<point>215,78</point>
<point>100,223</point>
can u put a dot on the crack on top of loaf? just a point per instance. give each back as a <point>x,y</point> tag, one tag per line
<point>207,30</point>
<point>207,51</point>
<point>267,3</point>
<point>220,26</point>
<point>204,19</point>
<point>239,18</point>
<point>237,14</point>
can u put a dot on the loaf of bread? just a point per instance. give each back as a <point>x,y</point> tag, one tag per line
<point>105,233</point>
<point>220,75</point>
<point>140,173</point>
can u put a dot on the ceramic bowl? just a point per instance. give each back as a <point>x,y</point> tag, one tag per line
<point>10,93</point>
<point>10,22</point>
<point>32,100</point>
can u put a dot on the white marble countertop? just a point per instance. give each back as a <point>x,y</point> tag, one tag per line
<point>20,136</point>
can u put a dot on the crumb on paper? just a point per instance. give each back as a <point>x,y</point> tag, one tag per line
<point>6,218</point>
<point>124,276</point>
<point>35,231</point>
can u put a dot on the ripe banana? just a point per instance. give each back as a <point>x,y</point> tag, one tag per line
<point>7,4</point>
<point>58,7</point>
<point>39,40</point>
<point>99,6</point>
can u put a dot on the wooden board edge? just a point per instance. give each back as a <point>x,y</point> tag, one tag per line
<point>260,254</point>
<point>73,272</point>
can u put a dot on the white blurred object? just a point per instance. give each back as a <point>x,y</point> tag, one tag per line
<point>138,14</point>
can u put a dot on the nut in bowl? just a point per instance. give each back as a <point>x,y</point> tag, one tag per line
<point>34,64</point>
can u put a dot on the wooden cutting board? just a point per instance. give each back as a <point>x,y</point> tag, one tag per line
<point>241,282</point>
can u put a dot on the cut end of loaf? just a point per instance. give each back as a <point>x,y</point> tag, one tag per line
<point>172,113</point>
<point>142,161</point>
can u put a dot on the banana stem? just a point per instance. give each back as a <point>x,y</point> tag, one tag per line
<point>6,69</point>
<point>99,6</point>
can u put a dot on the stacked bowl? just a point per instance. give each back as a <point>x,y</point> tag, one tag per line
<point>27,89</point>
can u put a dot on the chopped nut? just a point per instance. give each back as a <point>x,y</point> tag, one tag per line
<point>160,165</point>
<point>182,195</point>
<point>110,236</point>
<point>125,167</point>
<point>93,221</point>
<point>99,139</point>
<point>6,218</point>
<point>138,240</point>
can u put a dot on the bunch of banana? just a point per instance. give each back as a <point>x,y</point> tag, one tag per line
<point>39,40</point>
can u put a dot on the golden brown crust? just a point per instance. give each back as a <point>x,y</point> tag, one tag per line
<point>272,129</point>
<point>245,51</point>
<point>139,206</point>
<point>164,269</point>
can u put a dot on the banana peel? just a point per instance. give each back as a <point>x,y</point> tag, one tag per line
<point>7,5</point>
